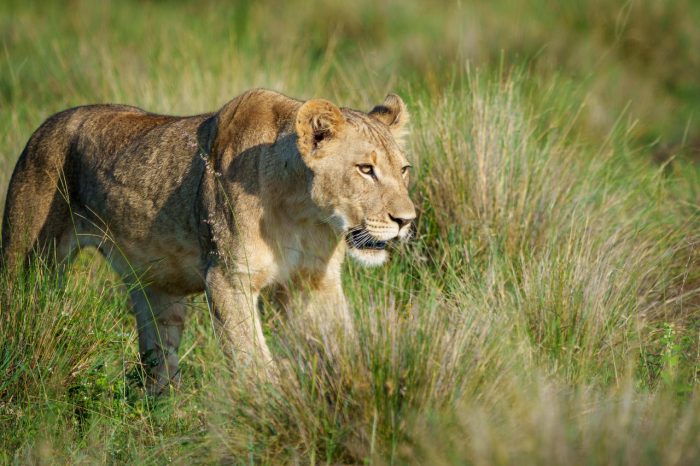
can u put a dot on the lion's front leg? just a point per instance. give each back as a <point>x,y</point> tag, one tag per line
<point>234,302</point>
<point>322,309</point>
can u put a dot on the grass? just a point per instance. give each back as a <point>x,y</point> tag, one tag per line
<point>547,311</point>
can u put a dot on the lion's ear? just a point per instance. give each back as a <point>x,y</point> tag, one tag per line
<point>317,121</point>
<point>393,113</point>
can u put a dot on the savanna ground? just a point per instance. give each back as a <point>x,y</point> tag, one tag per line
<point>548,311</point>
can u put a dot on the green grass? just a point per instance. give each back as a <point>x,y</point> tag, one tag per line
<point>546,313</point>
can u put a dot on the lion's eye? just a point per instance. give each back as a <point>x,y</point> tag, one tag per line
<point>404,170</point>
<point>366,170</point>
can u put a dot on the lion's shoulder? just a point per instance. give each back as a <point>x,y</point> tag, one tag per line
<point>256,117</point>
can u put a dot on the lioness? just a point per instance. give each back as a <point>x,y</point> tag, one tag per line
<point>267,190</point>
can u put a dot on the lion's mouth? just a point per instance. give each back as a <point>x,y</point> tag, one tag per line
<point>359,238</point>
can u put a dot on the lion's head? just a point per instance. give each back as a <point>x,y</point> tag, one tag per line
<point>359,172</point>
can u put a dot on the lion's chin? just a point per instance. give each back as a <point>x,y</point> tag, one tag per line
<point>369,257</point>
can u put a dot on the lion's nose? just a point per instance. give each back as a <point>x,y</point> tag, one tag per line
<point>403,220</point>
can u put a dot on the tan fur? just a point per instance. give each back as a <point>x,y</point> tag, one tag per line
<point>267,190</point>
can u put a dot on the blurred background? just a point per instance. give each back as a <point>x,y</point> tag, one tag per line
<point>637,59</point>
